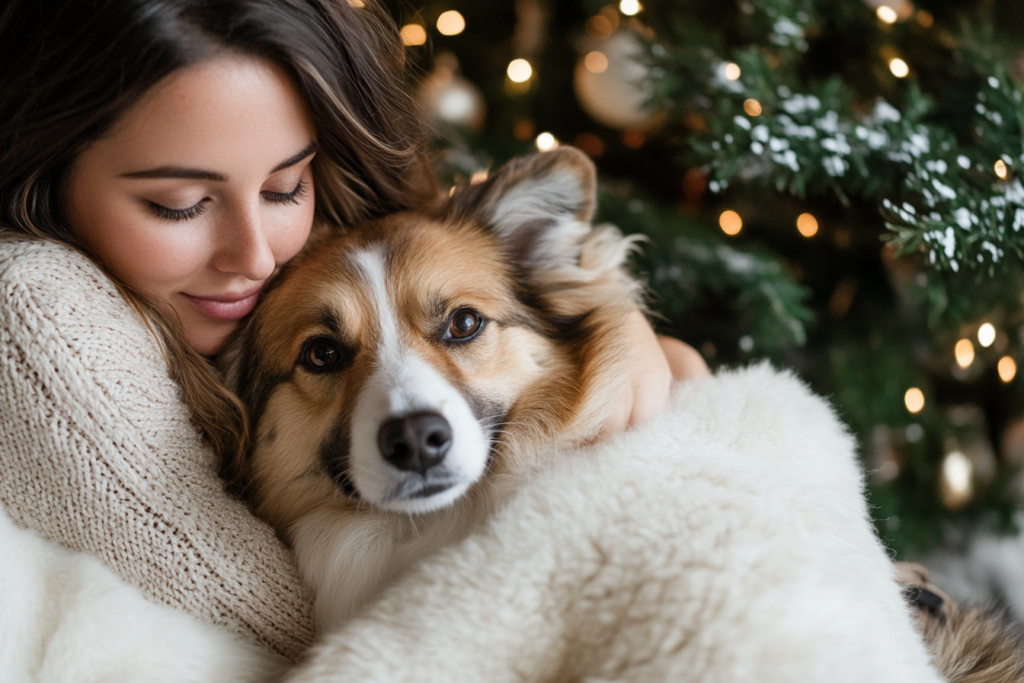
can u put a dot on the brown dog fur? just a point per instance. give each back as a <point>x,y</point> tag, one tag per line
<point>968,644</point>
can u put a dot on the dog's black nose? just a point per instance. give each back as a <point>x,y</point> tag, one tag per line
<point>415,442</point>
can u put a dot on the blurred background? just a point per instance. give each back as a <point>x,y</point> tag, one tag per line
<point>830,184</point>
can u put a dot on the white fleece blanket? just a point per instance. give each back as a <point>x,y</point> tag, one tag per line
<point>725,540</point>
<point>66,618</point>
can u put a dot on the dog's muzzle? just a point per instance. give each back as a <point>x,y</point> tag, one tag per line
<point>415,442</point>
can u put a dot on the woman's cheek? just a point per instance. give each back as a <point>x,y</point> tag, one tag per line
<point>151,256</point>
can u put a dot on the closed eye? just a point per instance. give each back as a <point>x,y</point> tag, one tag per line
<point>293,197</point>
<point>177,214</point>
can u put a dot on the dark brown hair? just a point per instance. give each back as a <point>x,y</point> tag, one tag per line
<point>70,69</point>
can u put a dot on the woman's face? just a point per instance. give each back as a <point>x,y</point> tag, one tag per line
<point>201,192</point>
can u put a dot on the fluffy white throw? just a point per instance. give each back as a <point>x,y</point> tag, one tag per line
<point>67,618</point>
<point>725,540</point>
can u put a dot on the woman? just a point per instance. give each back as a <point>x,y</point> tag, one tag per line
<point>159,161</point>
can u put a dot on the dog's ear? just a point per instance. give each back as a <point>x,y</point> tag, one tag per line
<point>540,206</point>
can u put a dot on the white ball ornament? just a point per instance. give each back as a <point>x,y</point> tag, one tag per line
<point>609,82</point>
<point>450,99</point>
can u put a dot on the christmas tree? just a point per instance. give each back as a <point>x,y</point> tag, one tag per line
<point>831,184</point>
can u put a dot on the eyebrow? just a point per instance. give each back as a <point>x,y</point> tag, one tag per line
<point>199,174</point>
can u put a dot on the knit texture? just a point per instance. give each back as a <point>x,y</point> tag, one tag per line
<point>97,453</point>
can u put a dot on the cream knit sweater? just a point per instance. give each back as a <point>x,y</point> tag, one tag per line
<point>97,453</point>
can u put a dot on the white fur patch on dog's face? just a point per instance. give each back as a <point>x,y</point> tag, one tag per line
<point>400,384</point>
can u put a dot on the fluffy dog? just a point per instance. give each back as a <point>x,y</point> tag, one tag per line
<point>392,366</point>
<point>429,385</point>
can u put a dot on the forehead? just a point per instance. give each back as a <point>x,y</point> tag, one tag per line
<point>230,114</point>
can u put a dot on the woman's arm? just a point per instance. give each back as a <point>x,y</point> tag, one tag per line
<point>656,362</point>
<point>97,453</point>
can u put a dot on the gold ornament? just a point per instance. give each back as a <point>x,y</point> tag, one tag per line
<point>609,84</point>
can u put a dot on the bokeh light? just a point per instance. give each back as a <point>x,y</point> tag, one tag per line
<point>914,400</point>
<point>519,71</point>
<point>730,222</point>
<point>451,23</point>
<point>413,34</point>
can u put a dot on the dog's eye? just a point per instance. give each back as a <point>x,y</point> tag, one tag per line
<point>464,324</point>
<point>320,354</point>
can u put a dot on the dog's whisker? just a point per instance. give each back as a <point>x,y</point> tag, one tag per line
<point>412,521</point>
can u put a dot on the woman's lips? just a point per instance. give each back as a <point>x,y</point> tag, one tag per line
<point>227,307</point>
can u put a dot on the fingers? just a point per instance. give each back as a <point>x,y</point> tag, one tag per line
<point>652,375</point>
<point>654,362</point>
<point>619,419</point>
<point>683,359</point>
<point>651,386</point>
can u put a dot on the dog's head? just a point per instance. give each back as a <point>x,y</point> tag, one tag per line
<point>392,364</point>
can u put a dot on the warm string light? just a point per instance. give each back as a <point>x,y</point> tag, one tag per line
<point>546,141</point>
<point>887,15</point>
<point>1007,369</point>
<point>899,68</point>
<point>1001,169</point>
<point>478,177</point>
<point>964,352</point>
<point>986,335</point>
<point>451,23</point>
<point>733,71</point>
<point>596,62</point>
<point>807,225</point>
<point>519,71</point>
<point>752,107</point>
<point>630,7</point>
<point>914,400</point>
<point>730,222</point>
<point>413,34</point>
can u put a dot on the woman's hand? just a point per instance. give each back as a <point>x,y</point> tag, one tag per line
<point>656,361</point>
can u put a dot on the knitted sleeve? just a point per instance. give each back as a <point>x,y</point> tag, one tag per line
<point>97,453</point>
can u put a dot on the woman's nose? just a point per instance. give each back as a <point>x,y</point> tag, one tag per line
<point>243,245</point>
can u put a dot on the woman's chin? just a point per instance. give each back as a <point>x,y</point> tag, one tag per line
<point>210,338</point>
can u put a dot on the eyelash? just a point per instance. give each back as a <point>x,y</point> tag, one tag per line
<point>294,197</point>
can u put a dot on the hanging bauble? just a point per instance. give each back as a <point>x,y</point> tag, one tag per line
<point>448,99</point>
<point>956,478</point>
<point>610,77</point>
<point>969,461</point>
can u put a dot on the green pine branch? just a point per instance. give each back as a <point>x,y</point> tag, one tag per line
<point>939,192</point>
